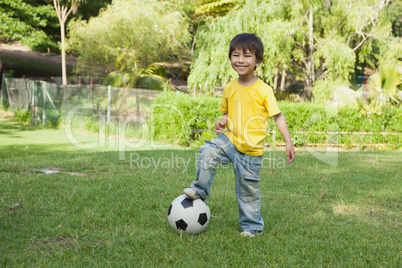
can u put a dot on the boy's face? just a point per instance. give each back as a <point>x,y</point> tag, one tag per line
<point>243,62</point>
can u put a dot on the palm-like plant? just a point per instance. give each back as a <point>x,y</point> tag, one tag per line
<point>129,74</point>
<point>383,86</point>
<point>218,7</point>
<point>382,90</point>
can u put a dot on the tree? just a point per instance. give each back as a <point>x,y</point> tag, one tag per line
<point>321,40</point>
<point>30,22</point>
<point>89,9</point>
<point>156,30</point>
<point>63,10</point>
<point>211,67</point>
<point>34,22</point>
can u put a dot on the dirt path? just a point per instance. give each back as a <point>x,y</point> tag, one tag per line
<point>6,115</point>
<point>21,51</point>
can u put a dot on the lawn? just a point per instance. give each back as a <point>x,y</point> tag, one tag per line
<point>113,212</point>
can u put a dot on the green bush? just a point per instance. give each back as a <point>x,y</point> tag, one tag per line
<point>183,119</point>
<point>53,121</point>
<point>22,116</point>
<point>186,120</point>
<point>305,118</point>
<point>160,29</point>
<point>45,45</point>
<point>317,117</point>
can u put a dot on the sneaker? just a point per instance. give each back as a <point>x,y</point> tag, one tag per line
<point>192,193</point>
<point>251,233</point>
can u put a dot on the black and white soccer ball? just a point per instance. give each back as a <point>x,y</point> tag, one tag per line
<point>189,216</point>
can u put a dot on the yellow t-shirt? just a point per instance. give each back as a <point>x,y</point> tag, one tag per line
<point>248,109</point>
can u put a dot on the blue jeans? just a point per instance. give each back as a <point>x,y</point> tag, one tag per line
<point>246,168</point>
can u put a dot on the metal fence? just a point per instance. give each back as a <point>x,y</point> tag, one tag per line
<point>48,101</point>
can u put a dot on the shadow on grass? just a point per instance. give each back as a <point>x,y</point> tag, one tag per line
<point>17,150</point>
<point>18,139</point>
<point>10,126</point>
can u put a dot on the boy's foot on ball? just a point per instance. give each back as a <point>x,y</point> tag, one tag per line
<point>251,233</point>
<point>192,193</point>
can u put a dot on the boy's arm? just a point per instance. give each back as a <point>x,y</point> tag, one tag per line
<point>220,125</point>
<point>283,128</point>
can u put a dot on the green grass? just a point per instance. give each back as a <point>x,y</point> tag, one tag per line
<point>115,215</point>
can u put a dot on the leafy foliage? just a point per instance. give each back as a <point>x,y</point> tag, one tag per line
<point>383,86</point>
<point>133,76</point>
<point>217,8</point>
<point>154,29</point>
<point>26,22</point>
<point>34,22</point>
<point>92,8</point>
<point>185,120</point>
<point>382,90</point>
<point>324,48</point>
<point>211,67</point>
<point>338,58</point>
<point>23,116</point>
<point>325,89</point>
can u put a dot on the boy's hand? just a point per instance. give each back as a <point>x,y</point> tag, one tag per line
<point>283,128</point>
<point>290,152</point>
<point>219,126</point>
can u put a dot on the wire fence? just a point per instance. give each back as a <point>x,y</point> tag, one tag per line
<point>47,101</point>
<point>94,106</point>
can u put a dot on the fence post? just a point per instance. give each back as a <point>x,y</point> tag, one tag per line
<point>44,102</point>
<point>109,89</point>
<point>3,88</point>
<point>274,139</point>
<point>33,104</point>
<point>137,102</point>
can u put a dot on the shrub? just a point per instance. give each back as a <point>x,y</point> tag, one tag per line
<point>309,117</point>
<point>155,29</point>
<point>183,119</point>
<point>22,116</point>
<point>186,120</point>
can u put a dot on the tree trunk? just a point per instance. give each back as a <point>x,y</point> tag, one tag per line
<point>310,75</point>
<point>283,79</point>
<point>63,55</point>
<point>276,76</point>
<point>62,13</point>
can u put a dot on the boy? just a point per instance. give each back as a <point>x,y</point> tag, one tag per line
<point>247,103</point>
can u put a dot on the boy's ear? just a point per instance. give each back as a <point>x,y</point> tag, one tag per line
<point>257,64</point>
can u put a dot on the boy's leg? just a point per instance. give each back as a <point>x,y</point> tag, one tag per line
<point>210,155</point>
<point>248,193</point>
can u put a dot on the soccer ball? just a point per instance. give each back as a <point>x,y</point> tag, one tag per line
<point>187,215</point>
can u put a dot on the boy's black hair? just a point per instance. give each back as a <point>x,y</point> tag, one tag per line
<point>246,41</point>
